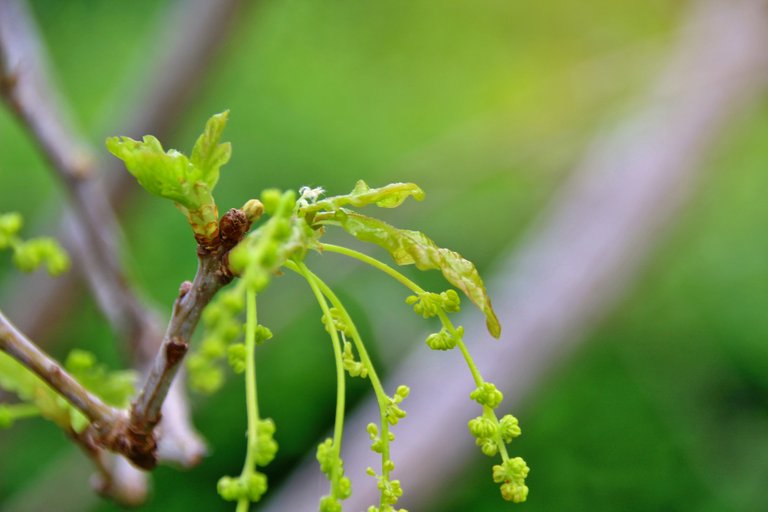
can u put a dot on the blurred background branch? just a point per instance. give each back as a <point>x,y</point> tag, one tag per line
<point>90,230</point>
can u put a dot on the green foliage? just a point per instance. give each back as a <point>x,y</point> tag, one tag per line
<point>114,387</point>
<point>222,327</point>
<point>389,196</point>
<point>412,247</point>
<point>188,182</point>
<point>209,153</point>
<point>10,225</point>
<point>10,413</point>
<point>29,255</point>
<point>30,388</point>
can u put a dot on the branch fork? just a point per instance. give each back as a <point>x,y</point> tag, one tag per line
<point>135,438</point>
<point>132,432</point>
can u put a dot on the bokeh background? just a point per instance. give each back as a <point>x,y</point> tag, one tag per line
<point>489,106</point>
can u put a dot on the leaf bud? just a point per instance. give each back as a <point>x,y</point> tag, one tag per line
<point>253,209</point>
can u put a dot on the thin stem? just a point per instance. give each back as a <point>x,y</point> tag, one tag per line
<point>446,322</point>
<point>20,411</point>
<point>381,396</point>
<point>338,427</point>
<point>374,263</point>
<point>462,346</point>
<point>414,288</point>
<point>91,226</point>
<point>251,397</point>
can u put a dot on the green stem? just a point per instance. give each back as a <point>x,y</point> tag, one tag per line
<point>378,389</point>
<point>476,376</point>
<point>338,428</point>
<point>20,411</point>
<point>251,399</point>
<point>374,263</point>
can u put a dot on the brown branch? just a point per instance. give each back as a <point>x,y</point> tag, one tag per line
<point>184,45</point>
<point>185,53</point>
<point>578,261</point>
<point>18,346</point>
<point>212,274</point>
<point>28,92</point>
<point>133,435</point>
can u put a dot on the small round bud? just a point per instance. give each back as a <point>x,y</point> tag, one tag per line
<point>509,427</point>
<point>236,354</point>
<point>253,209</point>
<point>487,395</point>
<point>270,199</point>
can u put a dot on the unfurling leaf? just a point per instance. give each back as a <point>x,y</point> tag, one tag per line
<point>188,182</point>
<point>389,196</point>
<point>167,174</point>
<point>209,154</point>
<point>413,247</point>
<point>114,387</point>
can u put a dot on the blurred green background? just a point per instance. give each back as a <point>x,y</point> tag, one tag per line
<point>487,105</point>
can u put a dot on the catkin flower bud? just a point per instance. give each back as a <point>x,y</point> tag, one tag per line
<point>487,395</point>
<point>509,428</point>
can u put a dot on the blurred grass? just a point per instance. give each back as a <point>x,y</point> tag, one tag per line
<point>486,105</point>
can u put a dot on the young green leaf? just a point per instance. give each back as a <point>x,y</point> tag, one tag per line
<point>188,182</point>
<point>389,196</point>
<point>413,247</point>
<point>10,225</point>
<point>15,378</point>
<point>114,387</point>
<point>29,255</point>
<point>166,174</point>
<point>209,154</point>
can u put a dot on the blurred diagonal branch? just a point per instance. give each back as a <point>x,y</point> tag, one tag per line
<point>90,230</point>
<point>29,91</point>
<point>181,58</point>
<point>581,256</point>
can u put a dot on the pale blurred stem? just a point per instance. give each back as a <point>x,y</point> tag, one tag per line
<point>378,388</point>
<point>338,427</point>
<point>93,451</point>
<point>28,88</point>
<point>23,70</point>
<point>29,91</point>
<point>19,347</point>
<point>446,322</point>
